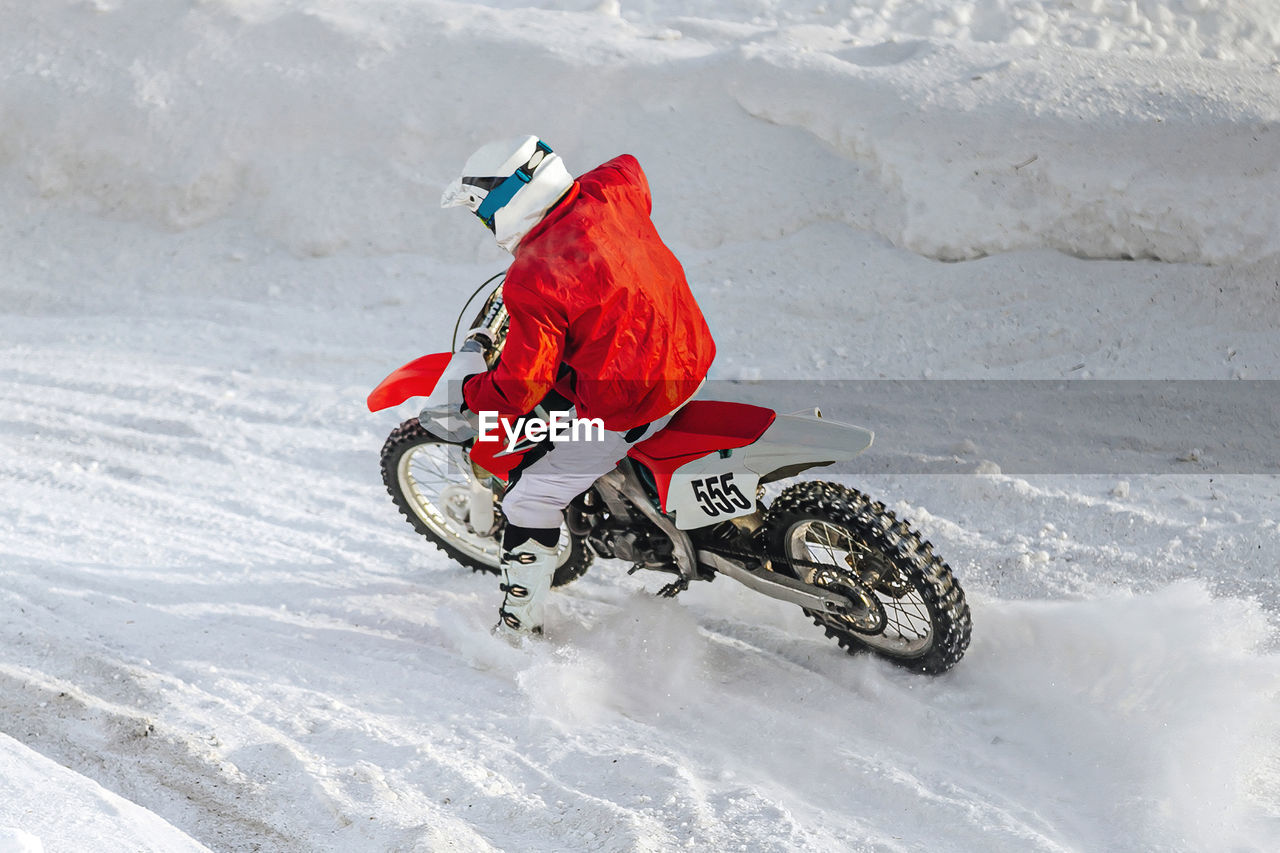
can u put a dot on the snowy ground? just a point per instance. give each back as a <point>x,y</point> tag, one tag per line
<point>219,230</point>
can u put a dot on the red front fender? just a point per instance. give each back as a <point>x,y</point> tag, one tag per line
<point>416,379</point>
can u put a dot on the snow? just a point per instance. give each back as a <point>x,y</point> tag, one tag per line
<point>70,812</point>
<point>219,230</point>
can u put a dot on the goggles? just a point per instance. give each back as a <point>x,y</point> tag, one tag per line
<point>502,189</point>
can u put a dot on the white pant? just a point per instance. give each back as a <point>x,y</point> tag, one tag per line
<point>566,470</point>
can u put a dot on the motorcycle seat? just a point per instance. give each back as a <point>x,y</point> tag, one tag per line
<point>702,427</point>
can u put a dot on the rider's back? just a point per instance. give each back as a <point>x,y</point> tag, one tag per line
<point>595,273</point>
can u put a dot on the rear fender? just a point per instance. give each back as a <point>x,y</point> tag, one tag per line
<point>794,442</point>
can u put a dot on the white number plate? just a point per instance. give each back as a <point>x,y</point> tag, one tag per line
<point>705,497</point>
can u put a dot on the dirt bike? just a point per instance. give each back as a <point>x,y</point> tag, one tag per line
<point>689,501</point>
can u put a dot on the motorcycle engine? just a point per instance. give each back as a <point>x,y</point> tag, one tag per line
<point>631,545</point>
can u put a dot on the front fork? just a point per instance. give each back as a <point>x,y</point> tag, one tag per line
<point>479,500</point>
<point>480,507</point>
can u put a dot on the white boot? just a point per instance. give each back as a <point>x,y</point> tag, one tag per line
<point>526,572</point>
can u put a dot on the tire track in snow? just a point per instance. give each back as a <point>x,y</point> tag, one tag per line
<point>188,471</point>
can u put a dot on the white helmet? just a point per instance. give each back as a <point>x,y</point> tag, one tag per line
<point>510,185</point>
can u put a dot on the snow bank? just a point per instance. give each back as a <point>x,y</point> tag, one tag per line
<point>966,151</point>
<point>47,808</point>
<point>331,127</point>
<point>1235,29</point>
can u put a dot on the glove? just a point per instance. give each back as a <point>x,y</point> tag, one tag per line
<point>444,411</point>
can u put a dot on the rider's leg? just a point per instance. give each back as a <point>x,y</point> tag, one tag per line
<point>528,563</point>
<point>552,476</point>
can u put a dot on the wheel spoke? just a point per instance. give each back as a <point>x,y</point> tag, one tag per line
<point>425,472</point>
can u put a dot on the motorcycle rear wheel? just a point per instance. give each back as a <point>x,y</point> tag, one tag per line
<point>927,622</point>
<point>427,478</point>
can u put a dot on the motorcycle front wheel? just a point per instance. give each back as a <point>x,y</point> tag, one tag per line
<point>836,537</point>
<point>429,479</point>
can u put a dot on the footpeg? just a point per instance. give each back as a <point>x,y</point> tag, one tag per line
<point>674,588</point>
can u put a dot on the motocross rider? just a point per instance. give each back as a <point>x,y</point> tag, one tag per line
<point>600,314</point>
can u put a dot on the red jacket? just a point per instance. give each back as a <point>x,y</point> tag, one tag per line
<point>600,310</point>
